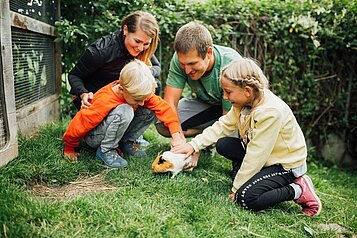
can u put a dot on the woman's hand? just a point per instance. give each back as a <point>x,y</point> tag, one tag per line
<point>86,99</point>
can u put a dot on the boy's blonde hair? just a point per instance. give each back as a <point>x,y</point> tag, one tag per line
<point>192,36</point>
<point>148,24</point>
<point>137,79</point>
<point>246,72</point>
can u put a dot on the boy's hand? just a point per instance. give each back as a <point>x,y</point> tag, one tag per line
<point>71,156</point>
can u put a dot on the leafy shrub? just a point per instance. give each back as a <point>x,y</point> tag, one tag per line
<point>306,48</point>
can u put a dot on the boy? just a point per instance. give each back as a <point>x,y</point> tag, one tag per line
<point>107,123</point>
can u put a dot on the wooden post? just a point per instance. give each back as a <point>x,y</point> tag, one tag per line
<point>58,53</point>
<point>10,150</point>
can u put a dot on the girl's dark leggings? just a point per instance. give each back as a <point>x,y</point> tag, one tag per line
<point>266,188</point>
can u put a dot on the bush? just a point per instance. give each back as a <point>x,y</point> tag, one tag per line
<point>307,49</point>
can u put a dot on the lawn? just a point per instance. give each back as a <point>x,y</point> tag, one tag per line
<point>44,195</point>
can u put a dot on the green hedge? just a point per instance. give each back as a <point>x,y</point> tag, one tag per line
<point>308,49</point>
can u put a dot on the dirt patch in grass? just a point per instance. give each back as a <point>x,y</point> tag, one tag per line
<point>340,231</point>
<point>81,186</point>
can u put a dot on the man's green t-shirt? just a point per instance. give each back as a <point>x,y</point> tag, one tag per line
<point>208,88</point>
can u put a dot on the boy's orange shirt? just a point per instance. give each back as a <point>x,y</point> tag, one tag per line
<point>103,102</point>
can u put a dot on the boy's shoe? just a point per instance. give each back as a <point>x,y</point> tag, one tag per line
<point>119,151</point>
<point>309,201</point>
<point>131,149</point>
<point>111,159</point>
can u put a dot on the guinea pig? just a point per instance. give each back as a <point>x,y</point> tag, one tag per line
<point>170,162</point>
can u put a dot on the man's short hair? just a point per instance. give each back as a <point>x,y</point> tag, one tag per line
<point>192,36</point>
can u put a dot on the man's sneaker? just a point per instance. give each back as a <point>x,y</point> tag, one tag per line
<point>309,201</point>
<point>111,158</point>
<point>235,168</point>
<point>142,142</point>
<point>210,150</point>
<point>131,149</point>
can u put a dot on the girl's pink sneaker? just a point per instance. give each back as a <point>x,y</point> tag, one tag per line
<point>309,201</point>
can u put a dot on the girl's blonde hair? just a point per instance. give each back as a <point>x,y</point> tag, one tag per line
<point>148,24</point>
<point>246,72</point>
<point>137,79</point>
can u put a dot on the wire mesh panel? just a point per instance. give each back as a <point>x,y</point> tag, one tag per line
<point>41,10</point>
<point>34,66</point>
<point>3,129</point>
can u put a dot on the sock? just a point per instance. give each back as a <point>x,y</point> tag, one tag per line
<point>297,190</point>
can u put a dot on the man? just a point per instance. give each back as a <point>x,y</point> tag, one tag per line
<point>198,63</point>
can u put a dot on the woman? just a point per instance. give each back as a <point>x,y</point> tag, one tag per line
<point>104,59</point>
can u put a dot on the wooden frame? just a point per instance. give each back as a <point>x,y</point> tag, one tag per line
<point>10,150</point>
<point>25,120</point>
<point>31,117</point>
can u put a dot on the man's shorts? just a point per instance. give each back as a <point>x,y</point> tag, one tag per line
<point>195,113</point>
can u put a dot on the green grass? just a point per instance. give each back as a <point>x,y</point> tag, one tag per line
<point>144,204</point>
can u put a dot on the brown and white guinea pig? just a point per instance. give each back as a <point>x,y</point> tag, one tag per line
<point>170,162</point>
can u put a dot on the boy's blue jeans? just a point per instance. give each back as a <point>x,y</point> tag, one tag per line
<point>122,124</point>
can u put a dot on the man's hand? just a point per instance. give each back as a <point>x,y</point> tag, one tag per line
<point>86,99</point>
<point>178,139</point>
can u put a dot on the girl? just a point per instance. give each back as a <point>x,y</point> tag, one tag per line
<point>269,158</point>
<point>107,123</point>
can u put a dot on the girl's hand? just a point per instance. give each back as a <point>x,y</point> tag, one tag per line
<point>194,161</point>
<point>184,148</point>
<point>188,150</point>
<point>71,156</point>
<point>86,99</point>
<point>232,196</point>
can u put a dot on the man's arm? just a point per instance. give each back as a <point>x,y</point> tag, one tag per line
<point>172,96</point>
